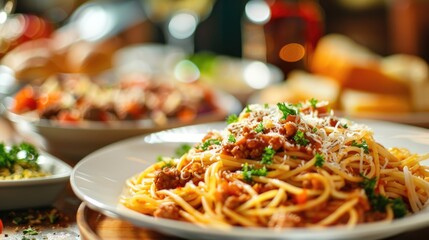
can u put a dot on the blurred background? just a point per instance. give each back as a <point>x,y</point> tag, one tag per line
<point>384,26</point>
<point>366,57</point>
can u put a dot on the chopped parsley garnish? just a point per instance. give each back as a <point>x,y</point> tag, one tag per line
<point>300,138</point>
<point>313,102</point>
<point>249,171</point>
<point>320,160</point>
<point>232,118</point>
<point>205,145</point>
<point>266,105</point>
<point>362,145</point>
<point>23,154</point>
<point>231,138</point>
<point>314,130</point>
<point>379,202</point>
<point>286,110</point>
<point>248,109</point>
<point>168,162</point>
<point>30,231</point>
<point>184,148</point>
<point>345,125</point>
<point>259,128</point>
<point>267,156</point>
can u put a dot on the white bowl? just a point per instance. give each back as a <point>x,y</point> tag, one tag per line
<point>73,142</point>
<point>39,191</point>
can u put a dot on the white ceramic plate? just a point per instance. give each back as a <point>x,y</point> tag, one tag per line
<point>100,178</point>
<point>36,192</point>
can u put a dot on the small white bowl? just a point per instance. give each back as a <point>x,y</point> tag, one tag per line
<point>39,191</point>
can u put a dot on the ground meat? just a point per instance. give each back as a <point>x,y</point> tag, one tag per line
<point>167,178</point>
<point>92,113</point>
<point>168,210</point>
<point>290,129</point>
<point>285,220</point>
<point>50,112</point>
<point>170,177</point>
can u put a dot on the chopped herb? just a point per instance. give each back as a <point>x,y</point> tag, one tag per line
<point>379,202</point>
<point>231,138</point>
<point>248,109</point>
<point>23,154</point>
<point>208,143</point>
<point>30,231</point>
<point>320,160</point>
<point>184,148</point>
<point>232,118</point>
<point>314,130</point>
<point>168,162</point>
<point>362,145</point>
<point>266,105</point>
<point>286,110</point>
<point>399,208</point>
<point>19,220</point>
<point>313,102</point>
<point>345,125</point>
<point>249,171</point>
<point>53,217</point>
<point>297,105</point>
<point>267,156</point>
<point>300,138</point>
<point>259,128</point>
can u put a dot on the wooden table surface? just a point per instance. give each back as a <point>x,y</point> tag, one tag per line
<point>77,221</point>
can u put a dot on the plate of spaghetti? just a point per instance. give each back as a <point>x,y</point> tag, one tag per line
<point>274,171</point>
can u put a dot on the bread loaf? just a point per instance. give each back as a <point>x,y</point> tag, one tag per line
<point>354,67</point>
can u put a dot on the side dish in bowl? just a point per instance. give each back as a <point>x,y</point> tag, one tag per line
<point>29,178</point>
<point>73,115</point>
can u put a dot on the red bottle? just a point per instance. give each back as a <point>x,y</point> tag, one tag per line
<point>292,32</point>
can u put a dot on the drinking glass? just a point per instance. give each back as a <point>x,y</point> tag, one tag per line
<point>178,19</point>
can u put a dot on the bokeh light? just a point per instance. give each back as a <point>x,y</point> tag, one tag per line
<point>257,75</point>
<point>257,11</point>
<point>292,52</point>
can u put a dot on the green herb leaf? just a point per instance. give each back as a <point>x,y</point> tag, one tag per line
<point>320,160</point>
<point>286,110</point>
<point>313,102</point>
<point>379,202</point>
<point>182,150</point>
<point>231,138</point>
<point>259,128</point>
<point>300,138</point>
<point>362,145</point>
<point>266,105</point>
<point>205,145</point>
<point>267,156</point>
<point>249,171</point>
<point>23,154</point>
<point>232,118</point>
<point>399,208</point>
<point>248,109</point>
<point>30,231</point>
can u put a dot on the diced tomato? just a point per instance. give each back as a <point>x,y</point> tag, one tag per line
<point>66,116</point>
<point>134,110</point>
<point>1,226</point>
<point>186,114</point>
<point>48,100</point>
<point>302,197</point>
<point>25,100</point>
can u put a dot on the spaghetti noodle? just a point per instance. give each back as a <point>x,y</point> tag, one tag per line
<point>281,166</point>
